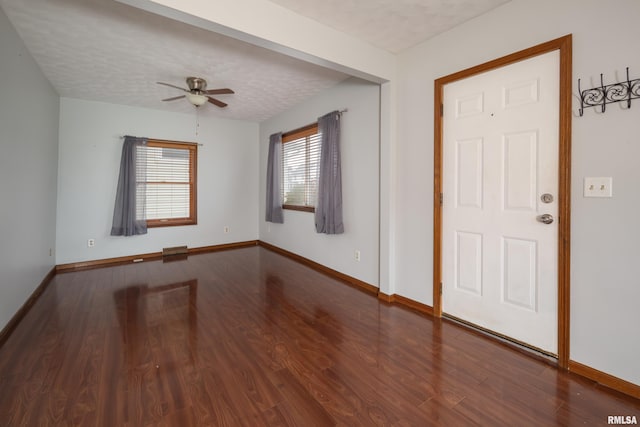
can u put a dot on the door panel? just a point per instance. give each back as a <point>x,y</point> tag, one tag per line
<point>520,153</point>
<point>519,275</point>
<point>469,262</point>
<point>469,169</point>
<point>500,154</point>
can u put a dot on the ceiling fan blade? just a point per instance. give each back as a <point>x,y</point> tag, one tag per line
<point>174,98</point>
<point>175,87</point>
<point>218,91</point>
<point>216,102</point>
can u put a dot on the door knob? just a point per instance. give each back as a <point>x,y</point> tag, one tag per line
<point>545,218</point>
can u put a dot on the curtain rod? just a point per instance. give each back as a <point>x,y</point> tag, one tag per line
<point>164,140</point>
<point>344,110</point>
<point>310,125</point>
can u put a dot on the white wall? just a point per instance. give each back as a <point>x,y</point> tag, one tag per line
<point>605,288</point>
<point>360,182</point>
<point>89,160</point>
<point>29,144</point>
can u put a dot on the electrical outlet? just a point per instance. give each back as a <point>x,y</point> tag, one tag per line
<point>357,255</point>
<point>91,243</point>
<point>226,229</point>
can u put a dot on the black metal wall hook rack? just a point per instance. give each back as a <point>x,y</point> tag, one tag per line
<point>609,94</point>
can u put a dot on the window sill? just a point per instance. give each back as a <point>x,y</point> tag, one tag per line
<point>299,208</point>
<point>154,223</point>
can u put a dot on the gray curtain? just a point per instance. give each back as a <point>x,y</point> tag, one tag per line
<point>274,180</point>
<point>126,221</point>
<point>328,214</point>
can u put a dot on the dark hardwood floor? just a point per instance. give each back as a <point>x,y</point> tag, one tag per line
<point>247,337</point>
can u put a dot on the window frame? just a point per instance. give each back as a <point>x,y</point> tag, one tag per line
<point>294,135</point>
<point>192,219</point>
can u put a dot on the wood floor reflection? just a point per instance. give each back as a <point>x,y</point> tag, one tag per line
<point>247,337</point>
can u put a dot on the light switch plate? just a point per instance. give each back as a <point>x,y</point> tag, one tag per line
<point>598,186</point>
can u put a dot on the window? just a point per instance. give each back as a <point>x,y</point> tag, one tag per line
<point>300,159</point>
<point>166,187</point>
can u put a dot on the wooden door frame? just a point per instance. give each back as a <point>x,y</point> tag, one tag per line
<point>564,46</point>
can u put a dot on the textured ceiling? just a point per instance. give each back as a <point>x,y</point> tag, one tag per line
<point>392,25</point>
<point>106,51</point>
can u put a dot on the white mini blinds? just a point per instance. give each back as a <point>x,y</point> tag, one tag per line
<point>166,183</point>
<point>300,159</point>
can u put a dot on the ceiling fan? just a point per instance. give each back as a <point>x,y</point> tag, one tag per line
<point>197,94</point>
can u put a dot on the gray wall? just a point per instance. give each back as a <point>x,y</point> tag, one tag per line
<point>605,270</point>
<point>360,180</point>
<point>90,149</point>
<point>28,167</point>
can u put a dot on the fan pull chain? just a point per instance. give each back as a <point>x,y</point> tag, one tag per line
<point>197,121</point>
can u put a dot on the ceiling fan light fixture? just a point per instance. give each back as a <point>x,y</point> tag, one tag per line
<point>196,99</point>
<point>197,94</point>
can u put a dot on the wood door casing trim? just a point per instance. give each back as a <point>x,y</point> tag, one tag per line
<point>564,46</point>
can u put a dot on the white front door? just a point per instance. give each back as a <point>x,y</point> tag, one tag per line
<point>500,175</point>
